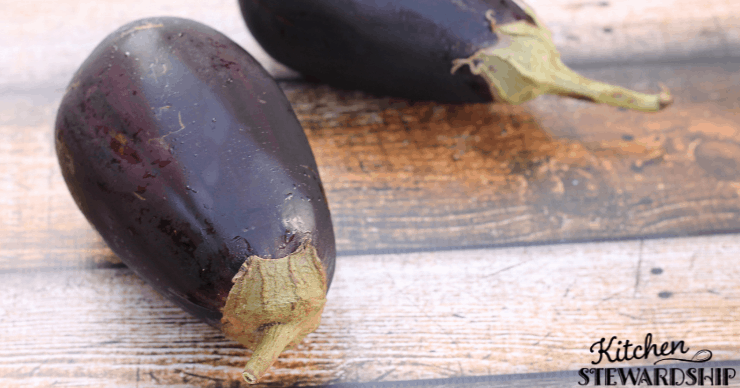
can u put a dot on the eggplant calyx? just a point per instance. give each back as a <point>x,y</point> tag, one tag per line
<point>274,304</point>
<point>525,64</point>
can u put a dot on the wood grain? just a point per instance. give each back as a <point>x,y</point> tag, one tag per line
<point>592,31</point>
<point>404,175</point>
<point>420,176</point>
<point>423,175</point>
<point>388,317</point>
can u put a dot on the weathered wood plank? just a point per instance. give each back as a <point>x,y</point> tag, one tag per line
<point>46,41</point>
<point>389,317</point>
<point>410,176</point>
<point>552,170</point>
<point>423,175</point>
<point>589,31</point>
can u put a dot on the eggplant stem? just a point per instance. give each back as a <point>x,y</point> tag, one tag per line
<point>273,305</point>
<point>276,339</point>
<point>525,64</point>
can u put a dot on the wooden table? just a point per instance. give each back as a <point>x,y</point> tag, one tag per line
<point>474,239</point>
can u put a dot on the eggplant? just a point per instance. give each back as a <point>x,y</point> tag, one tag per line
<point>187,158</point>
<point>451,51</point>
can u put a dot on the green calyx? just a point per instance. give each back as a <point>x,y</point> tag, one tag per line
<point>525,64</point>
<point>273,305</point>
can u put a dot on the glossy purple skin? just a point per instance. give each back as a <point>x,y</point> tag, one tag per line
<point>398,48</point>
<point>187,158</point>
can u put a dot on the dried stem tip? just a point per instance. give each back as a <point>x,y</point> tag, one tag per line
<point>273,305</point>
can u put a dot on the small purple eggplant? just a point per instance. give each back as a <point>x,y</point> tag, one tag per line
<point>453,51</point>
<point>187,158</point>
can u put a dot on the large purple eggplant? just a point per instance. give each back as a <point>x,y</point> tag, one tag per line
<point>454,51</point>
<point>187,158</point>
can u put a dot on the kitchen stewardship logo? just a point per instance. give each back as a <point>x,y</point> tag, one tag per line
<point>615,350</point>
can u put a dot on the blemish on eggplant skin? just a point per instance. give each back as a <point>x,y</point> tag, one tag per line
<point>656,271</point>
<point>665,294</point>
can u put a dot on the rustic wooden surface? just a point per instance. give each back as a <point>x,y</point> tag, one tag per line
<point>388,317</point>
<point>403,175</point>
<point>411,178</point>
<point>407,176</point>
